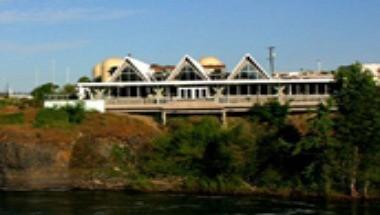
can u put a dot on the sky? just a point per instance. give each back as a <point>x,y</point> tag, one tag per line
<point>69,37</point>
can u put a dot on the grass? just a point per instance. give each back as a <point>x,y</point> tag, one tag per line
<point>12,118</point>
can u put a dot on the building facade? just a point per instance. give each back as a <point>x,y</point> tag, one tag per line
<point>191,86</point>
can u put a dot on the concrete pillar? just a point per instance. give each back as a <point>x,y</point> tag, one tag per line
<point>290,89</point>
<point>163,117</point>
<point>269,87</point>
<point>249,90</point>
<point>325,89</point>
<point>224,117</point>
<point>138,92</point>
<point>259,89</point>
<point>307,89</point>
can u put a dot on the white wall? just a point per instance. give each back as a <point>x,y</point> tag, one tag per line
<point>89,105</point>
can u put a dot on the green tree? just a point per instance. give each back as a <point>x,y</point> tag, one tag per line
<point>40,92</point>
<point>68,89</point>
<point>358,122</point>
<point>84,79</point>
<point>318,146</point>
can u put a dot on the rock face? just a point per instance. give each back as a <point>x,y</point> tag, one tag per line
<point>87,163</point>
<point>35,159</point>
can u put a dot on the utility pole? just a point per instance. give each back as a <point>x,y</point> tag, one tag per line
<point>271,58</point>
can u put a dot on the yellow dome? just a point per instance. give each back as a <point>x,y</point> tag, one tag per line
<point>107,65</point>
<point>97,71</point>
<point>210,61</point>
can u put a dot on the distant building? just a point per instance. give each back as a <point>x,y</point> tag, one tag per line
<point>304,75</point>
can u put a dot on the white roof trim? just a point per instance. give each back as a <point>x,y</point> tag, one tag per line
<point>143,68</point>
<point>192,61</point>
<point>253,60</point>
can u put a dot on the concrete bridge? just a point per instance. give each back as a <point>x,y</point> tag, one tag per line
<point>210,106</point>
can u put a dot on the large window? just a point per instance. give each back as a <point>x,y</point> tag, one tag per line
<point>249,72</point>
<point>129,74</point>
<point>188,73</point>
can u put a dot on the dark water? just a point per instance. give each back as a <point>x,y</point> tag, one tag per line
<point>107,203</point>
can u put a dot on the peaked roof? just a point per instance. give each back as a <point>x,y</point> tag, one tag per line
<point>248,57</point>
<point>193,62</point>
<point>143,68</point>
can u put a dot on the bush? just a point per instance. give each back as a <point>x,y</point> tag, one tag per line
<point>76,113</point>
<point>13,118</point>
<point>60,117</point>
<point>51,117</point>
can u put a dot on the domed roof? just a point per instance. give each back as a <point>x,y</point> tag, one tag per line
<point>211,61</point>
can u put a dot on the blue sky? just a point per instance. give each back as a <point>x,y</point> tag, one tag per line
<point>74,35</point>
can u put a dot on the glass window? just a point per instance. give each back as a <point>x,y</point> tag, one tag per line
<point>129,74</point>
<point>188,73</point>
<point>248,72</point>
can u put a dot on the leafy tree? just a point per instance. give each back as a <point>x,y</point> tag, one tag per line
<point>68,89</point>
<point>273,160</point>
<point>84,79</point>
<point>318,146</point>
<point>40,92</point>
<point>358,121</point>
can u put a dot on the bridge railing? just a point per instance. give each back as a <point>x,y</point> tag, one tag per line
<point>222,100</point>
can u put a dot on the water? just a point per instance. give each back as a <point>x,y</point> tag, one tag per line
<point>109,203</point>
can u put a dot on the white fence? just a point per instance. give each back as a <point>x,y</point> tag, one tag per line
<point>89,105</point>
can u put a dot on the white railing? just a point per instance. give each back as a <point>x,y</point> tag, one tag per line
<point>221,100</point>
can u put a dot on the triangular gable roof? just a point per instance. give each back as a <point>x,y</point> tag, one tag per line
<point>141,67</point>
<point>193,62</point>
<point>248,57</point>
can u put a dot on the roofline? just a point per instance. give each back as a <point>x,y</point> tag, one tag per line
<point>206,82</point>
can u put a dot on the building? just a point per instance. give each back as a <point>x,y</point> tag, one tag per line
<point>197,87</point>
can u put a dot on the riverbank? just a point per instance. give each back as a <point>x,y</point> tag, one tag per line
<point>193,155</point>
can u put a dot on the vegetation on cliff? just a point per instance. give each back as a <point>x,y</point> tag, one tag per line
<point>321,153</point>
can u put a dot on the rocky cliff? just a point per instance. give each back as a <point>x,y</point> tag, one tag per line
<point>79,157</point>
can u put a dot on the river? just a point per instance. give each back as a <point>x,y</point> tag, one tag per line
<point>109,203</point>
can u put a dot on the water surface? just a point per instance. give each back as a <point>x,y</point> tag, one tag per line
<point>109,203</point>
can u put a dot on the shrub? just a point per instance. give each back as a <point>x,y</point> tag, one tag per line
<point>13,118</point>
<point>75,113</point>
<point>51,117</point>
<point>60,117</point>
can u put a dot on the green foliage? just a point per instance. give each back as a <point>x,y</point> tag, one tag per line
<point>76,113</point>
<point>51,117</point>
<point>357,123</point>
<point>13,118</point>
<point>84,79</point>
<point>272,113</point>
<point>68,89</point>
<point>40,92</point>
<point>60,117</point>
<point>200,148</point>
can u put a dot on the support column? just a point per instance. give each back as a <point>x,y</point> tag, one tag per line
<point>325,89</point>
<point>290,89</point>
<point>224,117</point>
<point>269,89</point>
<point>307,89</point>
<point>249,90</point>
<point>163,117</point>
